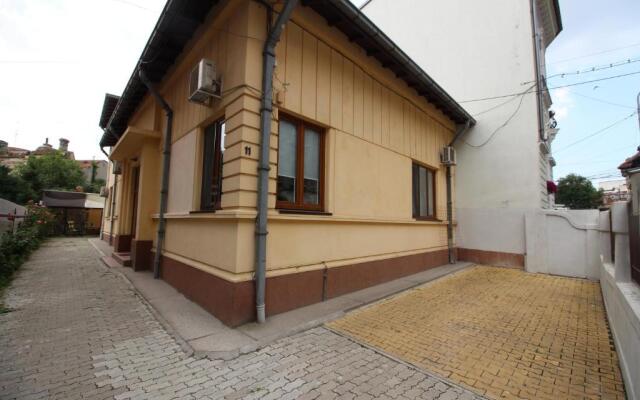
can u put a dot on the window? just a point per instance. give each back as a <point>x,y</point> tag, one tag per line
<point>424,192</point>
<point>213,152</point>
<point>300,165</point>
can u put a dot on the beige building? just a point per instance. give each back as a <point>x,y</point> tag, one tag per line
<point>357,194</point>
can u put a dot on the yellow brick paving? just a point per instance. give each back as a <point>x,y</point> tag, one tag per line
<point>504,333</point>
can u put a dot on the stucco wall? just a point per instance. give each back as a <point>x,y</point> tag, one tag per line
<point>8,207</point>
<point>375,125</point>
<point>621,295</point>
<point>563,243</point>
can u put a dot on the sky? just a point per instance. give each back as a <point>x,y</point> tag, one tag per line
<point>59,57</point>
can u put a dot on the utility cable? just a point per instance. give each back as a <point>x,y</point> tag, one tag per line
<point>549,88</point>
<point>492,135</point>
<point>596,133</point>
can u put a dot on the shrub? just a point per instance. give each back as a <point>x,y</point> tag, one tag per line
<point>16,247</point>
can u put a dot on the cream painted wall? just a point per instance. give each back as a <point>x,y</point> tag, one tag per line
<point>375,125</point>
<point>182,172</point>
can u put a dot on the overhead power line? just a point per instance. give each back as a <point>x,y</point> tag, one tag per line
<point>550,88</point>
<point>594,54</point>
<point>492,134</point>
<point>595,133</point>
<point>602,101</point>
<point>583,71</point>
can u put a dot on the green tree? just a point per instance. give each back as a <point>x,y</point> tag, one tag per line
<point>577,192</point>
<point>14,188</point>
<point>51,171</point>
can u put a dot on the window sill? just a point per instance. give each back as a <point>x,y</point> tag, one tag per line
<point>304,212</point>
<point>203,212</point>
<point>432,219</point>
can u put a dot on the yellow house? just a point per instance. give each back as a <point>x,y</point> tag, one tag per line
<point>349,191</point>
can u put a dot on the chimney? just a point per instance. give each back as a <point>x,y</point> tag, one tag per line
<point>64,145</point>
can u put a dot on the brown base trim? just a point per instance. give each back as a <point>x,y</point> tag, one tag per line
<point>141,254</point>
<point>496,258</point>
<point>234,303</point>
<point>106,237</point>
<point>122,243</point>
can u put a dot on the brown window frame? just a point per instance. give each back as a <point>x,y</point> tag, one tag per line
<point>210,199</point>
<point>299,205</point>
<point>415,191</point>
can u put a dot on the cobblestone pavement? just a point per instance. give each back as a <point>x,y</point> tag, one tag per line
<point>504,333</point>
<point>79,331</point>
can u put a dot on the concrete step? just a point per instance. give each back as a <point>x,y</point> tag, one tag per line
<point>123,259</point>
<point>109,262</point>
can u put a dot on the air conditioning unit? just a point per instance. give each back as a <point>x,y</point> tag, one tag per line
<point>117,168</point>
<point>203,83</point>
<point>448,155</point>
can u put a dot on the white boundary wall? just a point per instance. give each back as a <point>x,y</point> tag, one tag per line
<point>621,295</point>
<point>563,243</point>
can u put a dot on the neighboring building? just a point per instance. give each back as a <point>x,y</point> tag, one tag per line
<point>77,213</point>
<point>482,52</point>
<point>364,123</point>
<point>13,156</point>
<point>614,190</point>
<point>88,167</point>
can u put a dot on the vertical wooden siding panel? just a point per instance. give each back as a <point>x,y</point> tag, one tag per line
<point>293,72</point>
<point>323,106</point>
<point>377,113</point>
<point>336,89</point>
<point>384,94</point>
<point>347,96</point>
<point>309,74</point>
<point>397,123</point>
<point>368,107</point>
<point>358,102</point>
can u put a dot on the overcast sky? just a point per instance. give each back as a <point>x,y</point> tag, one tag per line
<point>59,57</point>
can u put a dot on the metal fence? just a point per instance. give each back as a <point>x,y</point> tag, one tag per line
<point>11,214</point>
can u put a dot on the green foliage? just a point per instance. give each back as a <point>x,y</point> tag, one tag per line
<point>16,247</point>
<point>14,188</point>
<point>95,186</point>
<point>49,171</point>
<point>577,192</point>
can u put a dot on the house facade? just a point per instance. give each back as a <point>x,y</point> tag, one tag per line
<point>356,191</point>
<point>490,55</point>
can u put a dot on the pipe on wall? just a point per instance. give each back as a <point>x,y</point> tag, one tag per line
<point>166,162</point>
<point>268,64</point>
<point>462,129</point>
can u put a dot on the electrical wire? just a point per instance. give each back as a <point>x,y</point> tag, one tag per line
<point>594,54</point>
<point>503,103</point>
<point>595,133</point>
<point>583,71</point>
<point>601,100</point>
<point>550,88</point>
<point>492,135</point>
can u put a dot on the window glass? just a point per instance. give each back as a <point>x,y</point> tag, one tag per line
<point>430,186</point>
<point>213,148</point>
<point>422,179</point>
<point>423,192</point>
<point>287,145</point>
<point>311,166</point>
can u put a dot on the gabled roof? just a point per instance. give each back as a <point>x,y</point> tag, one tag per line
<point>180,19</point>
<point>631,162</point>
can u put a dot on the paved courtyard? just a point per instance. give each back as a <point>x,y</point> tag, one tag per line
<point>504,333</point>
<point>80,331</point>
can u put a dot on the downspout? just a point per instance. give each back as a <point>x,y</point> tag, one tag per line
<point>115,188</point>
<point>462,129</point>
<point>536,58</point>
<point>166,158</point>
<point>268,63</point>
